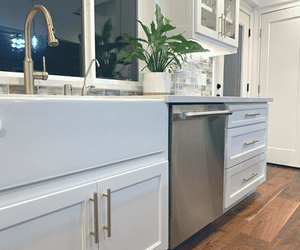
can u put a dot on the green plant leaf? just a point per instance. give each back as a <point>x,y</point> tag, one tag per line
<point>167,20</point>
<point>159,17</point>
<point>146,30</point>
<point>167,27</point>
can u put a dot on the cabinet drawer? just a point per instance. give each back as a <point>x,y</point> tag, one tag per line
<point>247,114</point>
<point>241,179</point>
<point>244,143</point>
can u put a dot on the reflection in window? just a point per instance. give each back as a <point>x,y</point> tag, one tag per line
<point>113,18</point>
<point>65,59</point>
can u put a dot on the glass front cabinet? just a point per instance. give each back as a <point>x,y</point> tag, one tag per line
<point>218,19</point>
<point>214,23</point>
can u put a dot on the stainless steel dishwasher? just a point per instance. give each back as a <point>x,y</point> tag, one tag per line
<point>196,168</point>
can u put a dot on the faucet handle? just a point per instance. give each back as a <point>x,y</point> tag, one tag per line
<point>44,63</point>
<point>41,75</point>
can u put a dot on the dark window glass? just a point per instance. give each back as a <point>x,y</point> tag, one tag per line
<point>65,59</point>
<point>114,18</point>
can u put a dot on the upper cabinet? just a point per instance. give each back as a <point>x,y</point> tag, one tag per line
<point>214,23</point>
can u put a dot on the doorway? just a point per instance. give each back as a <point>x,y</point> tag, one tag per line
<point>236,66</point>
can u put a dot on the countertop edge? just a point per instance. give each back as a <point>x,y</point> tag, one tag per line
<point>169,99</point>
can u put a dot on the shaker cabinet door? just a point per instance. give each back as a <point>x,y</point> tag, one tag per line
<point>134,216</point>
<point>60,221</point>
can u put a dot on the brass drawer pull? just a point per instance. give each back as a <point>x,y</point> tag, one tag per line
<point>108,227</point>
<point>249,143</point>
<point>252,114</point>
<point>253,175</point>
<point>95,233</point>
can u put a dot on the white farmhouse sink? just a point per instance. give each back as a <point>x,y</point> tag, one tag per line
<point>47,137</point>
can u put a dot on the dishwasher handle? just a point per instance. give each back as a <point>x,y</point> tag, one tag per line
<point>189,115</point>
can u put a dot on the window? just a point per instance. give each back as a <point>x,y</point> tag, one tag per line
<point>113,18</point>
<point>65,59</point>
<point>72,54</point>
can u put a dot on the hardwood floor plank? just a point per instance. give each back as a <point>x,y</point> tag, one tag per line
<point>273,170</point>
<point>267,224</point>
<point>246,242</point>
<point>289,236</point>
<point>249,218</point>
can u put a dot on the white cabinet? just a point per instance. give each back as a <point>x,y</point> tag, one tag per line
<point>214,23</point>
<point>60,221</point>
<point>64,220</point>
<point>138,211</point>
<point>245,151</point>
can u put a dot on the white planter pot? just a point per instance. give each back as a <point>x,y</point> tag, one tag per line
<point>156,83</point>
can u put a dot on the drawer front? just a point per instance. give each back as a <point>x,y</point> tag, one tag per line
<point>241,179</point>
<point>244,143</point>
<point>246,114</point>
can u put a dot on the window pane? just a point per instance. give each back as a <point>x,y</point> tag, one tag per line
<point>65,59</point>
<point>114,18</point>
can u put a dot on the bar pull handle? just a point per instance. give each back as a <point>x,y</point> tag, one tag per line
<point>225,26</point>
<point>184,116</point>
<point>252,114</point>
<point>249,143</point>
<point>253,175</point>
<point>95,233</point>
<point>108,227</point>
<point>221,32</point>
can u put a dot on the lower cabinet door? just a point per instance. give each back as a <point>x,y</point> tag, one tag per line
<point>134,216</point>
<point>60,221</point>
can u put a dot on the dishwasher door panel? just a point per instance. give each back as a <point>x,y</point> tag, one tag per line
<point>196,175</point>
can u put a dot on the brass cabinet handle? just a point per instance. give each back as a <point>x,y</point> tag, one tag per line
<point>252,114</point>
<point>249,143</point>
<point>222,24</point>
<point>108,227</point>
<point>225,26</point>
<point>221,32</point>
<point>95,233</point>
<point>253,175</point>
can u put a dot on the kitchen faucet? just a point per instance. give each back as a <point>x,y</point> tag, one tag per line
<point>84,88</point>
<point>29,73</point>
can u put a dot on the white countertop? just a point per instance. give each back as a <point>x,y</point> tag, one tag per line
<point>172,99</point>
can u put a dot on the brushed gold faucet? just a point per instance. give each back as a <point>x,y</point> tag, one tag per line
<point>29,73</point>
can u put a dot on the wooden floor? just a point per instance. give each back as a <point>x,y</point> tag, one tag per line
<point>267,219</point>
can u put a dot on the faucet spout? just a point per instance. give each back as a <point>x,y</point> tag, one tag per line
<point>29,73</point>
<point>84,89</point>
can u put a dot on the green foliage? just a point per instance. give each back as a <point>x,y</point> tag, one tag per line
<point>161,52</point>
<point>107,51</point>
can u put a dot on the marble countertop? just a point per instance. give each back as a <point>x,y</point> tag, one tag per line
<point>172,99</point>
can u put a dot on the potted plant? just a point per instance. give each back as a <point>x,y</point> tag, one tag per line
<point>162,54</point>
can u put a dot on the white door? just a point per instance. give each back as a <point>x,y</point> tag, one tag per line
<point>60,221</point>
<point>279,79</point>
<point>138,210</point>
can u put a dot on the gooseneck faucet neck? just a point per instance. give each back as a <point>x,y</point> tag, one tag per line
<point>29,73</point>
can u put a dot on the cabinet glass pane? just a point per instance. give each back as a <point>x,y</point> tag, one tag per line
<point>230,11</point>
<point>208,14</point>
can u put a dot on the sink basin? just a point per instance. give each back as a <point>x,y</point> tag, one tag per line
<point>48,137</point>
